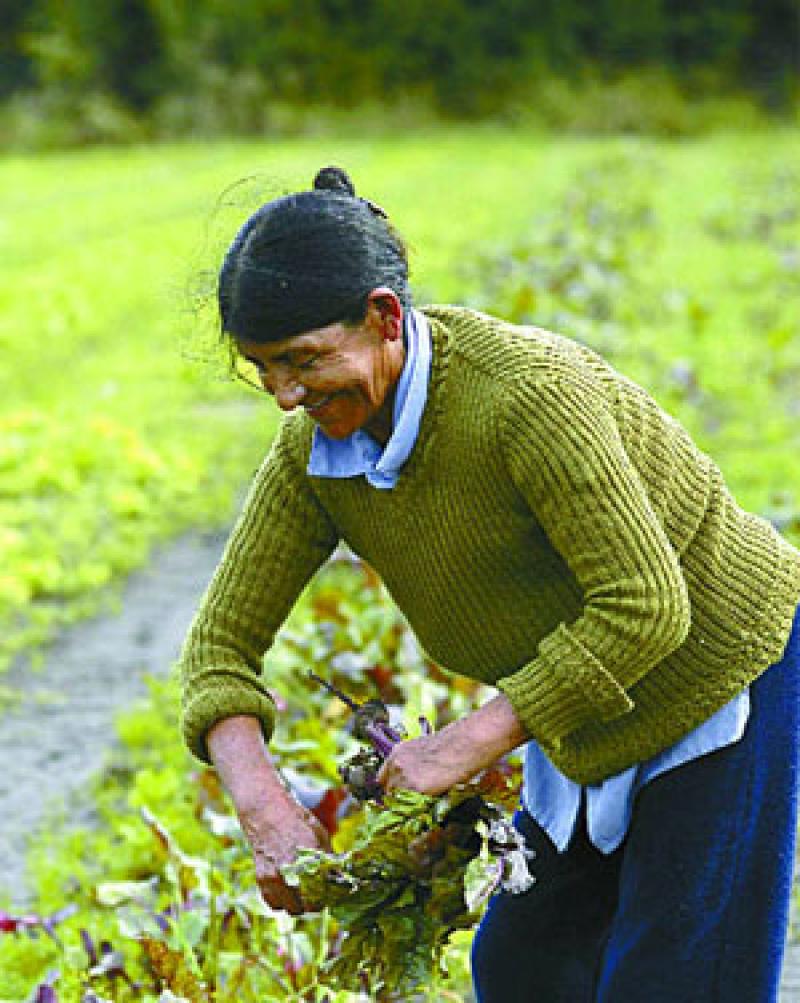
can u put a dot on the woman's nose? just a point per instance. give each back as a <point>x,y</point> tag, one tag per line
<point>287,391</point>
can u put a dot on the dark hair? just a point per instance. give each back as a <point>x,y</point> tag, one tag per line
<point>307,260</point>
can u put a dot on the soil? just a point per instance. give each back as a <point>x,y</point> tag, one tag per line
<point>60,730</point>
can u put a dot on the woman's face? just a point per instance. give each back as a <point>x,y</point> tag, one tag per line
<point>343,375</point>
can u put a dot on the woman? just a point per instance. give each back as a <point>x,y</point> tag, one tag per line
<point>546,529</point>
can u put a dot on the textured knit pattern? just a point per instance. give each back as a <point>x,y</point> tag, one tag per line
<point>553,533</point>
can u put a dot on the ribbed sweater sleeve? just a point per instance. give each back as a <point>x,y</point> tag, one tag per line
<point>566,457</point>
<point>279,541</point>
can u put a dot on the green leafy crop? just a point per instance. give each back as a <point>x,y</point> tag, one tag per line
<point>418,869</point>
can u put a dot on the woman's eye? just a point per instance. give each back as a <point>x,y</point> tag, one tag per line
<point>308,363</point>
<point>247,360</point>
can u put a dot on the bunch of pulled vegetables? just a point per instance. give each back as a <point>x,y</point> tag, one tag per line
<point>419,868</point>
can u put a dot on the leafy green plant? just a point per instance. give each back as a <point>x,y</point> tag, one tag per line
<point>418,869</point>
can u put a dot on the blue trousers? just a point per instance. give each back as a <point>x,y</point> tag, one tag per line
<point>692,908</point>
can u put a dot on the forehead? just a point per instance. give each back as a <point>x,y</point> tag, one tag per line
<point>309,341</point>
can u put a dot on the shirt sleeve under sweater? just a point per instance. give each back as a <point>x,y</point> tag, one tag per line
<point>280,540</point>
<point>566,457</point>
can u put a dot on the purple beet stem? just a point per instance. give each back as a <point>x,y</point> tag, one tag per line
<point>383,739</point>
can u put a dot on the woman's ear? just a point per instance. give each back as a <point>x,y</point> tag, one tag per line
<point>385,310</point>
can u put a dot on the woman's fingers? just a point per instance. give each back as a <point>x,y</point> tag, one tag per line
<point>323,837</point>
<point>275,847</point>
<point>274,889</point>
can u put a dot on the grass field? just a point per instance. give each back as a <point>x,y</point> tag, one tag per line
<point>679,259</point>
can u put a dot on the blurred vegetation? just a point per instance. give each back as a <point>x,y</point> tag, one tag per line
<point>75,72</point>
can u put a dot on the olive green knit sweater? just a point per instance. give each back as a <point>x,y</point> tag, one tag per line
<point>553,533</point>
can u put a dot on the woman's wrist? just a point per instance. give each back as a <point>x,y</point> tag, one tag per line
<point>492,730</point>
<point>239,753</point>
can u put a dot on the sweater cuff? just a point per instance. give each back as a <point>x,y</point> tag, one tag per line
<point>562,689</point>
<point>217,701</point>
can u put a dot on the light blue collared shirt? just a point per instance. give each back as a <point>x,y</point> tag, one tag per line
<point>359,454</point>
<point>552,798</point>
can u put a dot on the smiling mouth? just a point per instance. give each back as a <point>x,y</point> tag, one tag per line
<point>319,405</point>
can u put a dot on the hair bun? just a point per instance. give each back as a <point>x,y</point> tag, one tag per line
<point>334,179</point>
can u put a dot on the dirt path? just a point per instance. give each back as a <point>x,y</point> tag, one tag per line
<point>63,726</point>
<point>61,730</point>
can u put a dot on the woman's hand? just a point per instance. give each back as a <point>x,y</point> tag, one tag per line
<point>275,825</point>
<point>435,763</point>
<point>275,834</point>
<point>431,764</point>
